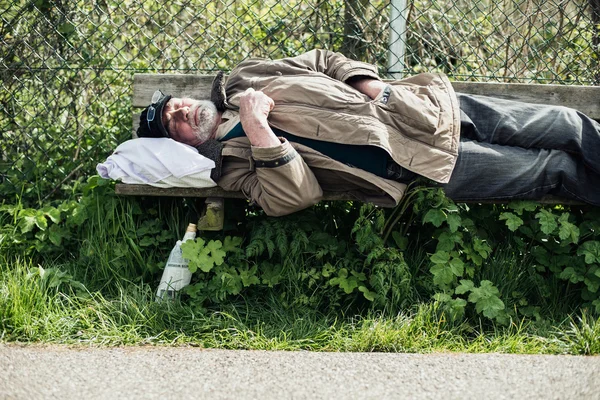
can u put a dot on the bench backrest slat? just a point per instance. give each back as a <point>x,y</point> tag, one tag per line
<point>583,98</point>
<point>194,86</point>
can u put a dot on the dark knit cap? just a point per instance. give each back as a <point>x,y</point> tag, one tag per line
<point>154,128</point>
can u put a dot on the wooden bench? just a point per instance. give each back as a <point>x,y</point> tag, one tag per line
<point>583,98</point>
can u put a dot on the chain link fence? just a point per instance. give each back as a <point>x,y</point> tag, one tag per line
<point>67,66</point>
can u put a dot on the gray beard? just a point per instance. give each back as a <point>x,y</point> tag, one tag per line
<point>207,115</point>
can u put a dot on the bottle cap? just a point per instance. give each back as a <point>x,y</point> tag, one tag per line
<point>191,228</point>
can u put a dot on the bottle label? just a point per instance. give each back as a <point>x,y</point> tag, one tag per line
<point>166,294</point>
<point>176,265</point>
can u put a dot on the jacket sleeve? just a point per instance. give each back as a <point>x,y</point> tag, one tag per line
<point>279,181</point>
<point>332,64</point>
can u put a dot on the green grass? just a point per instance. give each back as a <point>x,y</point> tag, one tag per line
<point>97,288</point>
<point>31,312</point>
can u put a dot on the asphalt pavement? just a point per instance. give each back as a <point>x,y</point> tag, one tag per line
<point>57,372</point>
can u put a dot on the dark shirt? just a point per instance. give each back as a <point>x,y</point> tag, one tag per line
<point>368,158</point>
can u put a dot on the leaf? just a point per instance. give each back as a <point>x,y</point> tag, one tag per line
<point>486,299</point>
<point>482,248</point>
<point>447,241</point>
<point>442,275</point>
<point>367,293</point>
<point>56,234</point>
<point>457,266</point>
<point>440,257</point>
<point>217,255</point>
<point>473,256</point>
<point>489,306</point>
<point>512,221</point>
<point>41,221</point>
<point>571,274</point>
<point>232,244</point>
<point>349,284</point>
<point>542,256</point>
<point>248,276</point>
<point>489,287</point>
<point>344,281</point>
<point>203,255</point>
<point>359,275</point>
<point>204,261</point>
<point>27,223</point>
<point>78,215</point>
<point>470,270</point>
<point>270,247</point>
<point>596,304</point>
<point>592,283</point>
<point>567,230</point>
<point>523,205</point>
<point>547,221</point>
<point>52,213</point>
<point>457,307</point>
<point>435,216</point>
<point>401,241</point>
<point>227,281</point>
<point>271,274</point>
<point>464,287</point>
<point>442,297</point>
<point>454,222</point>
<point>147,241</point>
<point>591,251</point>
<point>327,270</point>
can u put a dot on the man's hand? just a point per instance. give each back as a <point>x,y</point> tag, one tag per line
<point>369,86</point>
<point>255,107</point>
<point>256,104</point>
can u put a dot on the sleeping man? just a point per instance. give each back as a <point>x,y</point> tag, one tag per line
<point>284,130</point>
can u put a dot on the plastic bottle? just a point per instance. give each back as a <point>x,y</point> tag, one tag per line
<point>176,274</point>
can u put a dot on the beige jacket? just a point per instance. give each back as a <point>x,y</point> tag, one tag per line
<point>418,125</point>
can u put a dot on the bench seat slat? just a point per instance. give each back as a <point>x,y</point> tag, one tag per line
<point>147,190</point>
<point>122,189</point>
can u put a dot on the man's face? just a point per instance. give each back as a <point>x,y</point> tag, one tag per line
<point>191,121</point>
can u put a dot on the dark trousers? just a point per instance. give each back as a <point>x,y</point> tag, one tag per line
<point>514,150</point>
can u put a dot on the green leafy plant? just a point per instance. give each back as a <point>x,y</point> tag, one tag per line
<point>56,279</point>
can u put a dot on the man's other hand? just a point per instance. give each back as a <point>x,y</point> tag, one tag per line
<point>255,107</point>
<point>369,86</point>
<point>256,104</point>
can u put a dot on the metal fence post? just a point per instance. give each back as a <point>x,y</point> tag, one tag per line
<point>397,48</point>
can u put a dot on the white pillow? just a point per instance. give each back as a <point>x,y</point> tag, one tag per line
<point>159,162</point>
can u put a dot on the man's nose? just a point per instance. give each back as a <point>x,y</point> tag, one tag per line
<point>181,113</point>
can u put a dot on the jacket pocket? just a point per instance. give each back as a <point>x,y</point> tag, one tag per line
<point>416,106</point>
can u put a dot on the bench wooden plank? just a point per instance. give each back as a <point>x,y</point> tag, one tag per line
<point>180,85</point>
<point>123,189</point>
<point>583,98</point>
<point>147,190</point>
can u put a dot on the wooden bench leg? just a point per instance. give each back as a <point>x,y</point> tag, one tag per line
<point>214,215</point>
